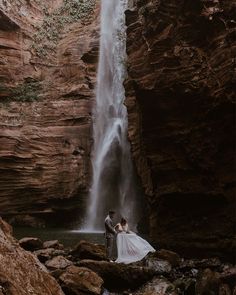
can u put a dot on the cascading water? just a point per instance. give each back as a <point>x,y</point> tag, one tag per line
<point>113,182</point>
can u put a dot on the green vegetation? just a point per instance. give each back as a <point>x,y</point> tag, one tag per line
<point>27,91</point>
<point>48,33</point>
<point>3,88</point>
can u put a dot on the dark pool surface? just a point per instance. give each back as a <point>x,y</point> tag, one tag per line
<point>68,238</point>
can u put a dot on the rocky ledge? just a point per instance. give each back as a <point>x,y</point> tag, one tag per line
<point>181,108</point>
<point>163,272</point>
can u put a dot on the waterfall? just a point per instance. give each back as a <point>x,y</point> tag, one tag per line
<point>113,185</point>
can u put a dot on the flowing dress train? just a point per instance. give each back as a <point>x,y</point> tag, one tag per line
<point>131,247</point>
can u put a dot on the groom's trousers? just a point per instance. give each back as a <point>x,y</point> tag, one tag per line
<point>109,247</point>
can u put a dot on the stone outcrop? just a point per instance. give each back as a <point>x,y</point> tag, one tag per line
<point>159,273</point>
<point>80,280</point>
<point>44,255</point>
<point>87,250</point>
<point>20,271</point>
<point>48,57</point>
<point>180,100</point>
<point>58,262</point>
<point>119,276</point>
<point>31,244</point>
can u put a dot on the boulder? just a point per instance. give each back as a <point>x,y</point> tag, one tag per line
<point>170,256</point>
<point>158,265</point>
<point>31,244</point>
<point>53,244</point>
<point>58,262</point>
<point>119,277</point>
<point>86,250</point>
<point>47,254</point>
<point>208,283</point>
<point>157,286</point>
<point>80,280</point>
<point>20,271</point>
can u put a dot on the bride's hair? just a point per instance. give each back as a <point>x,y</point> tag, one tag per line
<point>123,221</point>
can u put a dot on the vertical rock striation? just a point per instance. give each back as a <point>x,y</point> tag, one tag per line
<point>180,100</point>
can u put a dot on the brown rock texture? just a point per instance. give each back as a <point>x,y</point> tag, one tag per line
<point>180,100</point>
<point>118,276</point>
<point>87,250</point>
<point>58,262</point>
<point>48,57</point>
<point>20,271</point>
<point>80,280</point>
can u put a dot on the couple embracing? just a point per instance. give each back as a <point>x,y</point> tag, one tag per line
<point>130,247</point>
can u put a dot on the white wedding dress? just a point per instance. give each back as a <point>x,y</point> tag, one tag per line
<point>130,246</point>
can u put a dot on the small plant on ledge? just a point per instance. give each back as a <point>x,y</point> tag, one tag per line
<point>71,11</point>
<point>28,91</point>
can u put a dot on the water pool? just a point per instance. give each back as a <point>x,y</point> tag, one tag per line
<point>68,238</point>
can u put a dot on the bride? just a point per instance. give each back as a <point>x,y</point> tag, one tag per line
<point>130,247</point>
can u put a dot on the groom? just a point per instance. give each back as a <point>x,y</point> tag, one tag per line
<point>109,234</point>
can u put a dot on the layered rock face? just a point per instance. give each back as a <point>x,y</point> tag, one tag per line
<point>48,57</point>
<point>180,100</point>
<point>20,271</point>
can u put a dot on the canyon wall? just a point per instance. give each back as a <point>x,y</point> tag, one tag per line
<point>180,100</point>
<point>181,106</point>
<point>48,57</point>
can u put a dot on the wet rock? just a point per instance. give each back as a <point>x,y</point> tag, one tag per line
<point>158,286</point>
<point>208,283</point>
<point>224,290</point>
<point>86,250</point>
<point>53,244</point>
<point>158,265</point>
<point>20,271</point>
<point>80,280</point>
<point>47,254</point>
<point>31,244</point>
<point>170,256</point>
<point>58,262</point>
<point>119,277</point>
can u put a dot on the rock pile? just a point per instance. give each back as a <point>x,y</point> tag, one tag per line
<point>54,270</point>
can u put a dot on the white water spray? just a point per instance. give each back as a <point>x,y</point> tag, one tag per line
<point>113,185</point>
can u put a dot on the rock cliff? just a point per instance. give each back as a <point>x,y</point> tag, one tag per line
<point>180,100</point>
<point>20,271</point>
<point>48,57</point>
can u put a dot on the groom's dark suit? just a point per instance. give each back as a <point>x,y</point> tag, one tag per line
<point>109,234</point>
